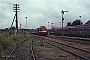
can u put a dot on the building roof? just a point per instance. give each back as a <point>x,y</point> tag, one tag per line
<point>87,23</point>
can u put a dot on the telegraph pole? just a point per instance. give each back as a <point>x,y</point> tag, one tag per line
<point>63,20</point>
<point>16,8</point>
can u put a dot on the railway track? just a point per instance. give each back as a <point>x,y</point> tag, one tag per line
<point>71,52</point>
<point>78,52</point>
<point>85,48</point>
<point>46,51</point>
<point>24,51</point>
<point>17,51</point>
<point>32,51</point>
<point>84,41</point>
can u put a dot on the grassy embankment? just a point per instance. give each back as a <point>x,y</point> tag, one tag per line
<point>9,41</point>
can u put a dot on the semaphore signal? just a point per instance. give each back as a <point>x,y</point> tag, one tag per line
<point>63,20</point>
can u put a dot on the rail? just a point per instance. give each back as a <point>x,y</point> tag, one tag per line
<point>15,48</point>
<point>73,53</point>
<point>32,51</point>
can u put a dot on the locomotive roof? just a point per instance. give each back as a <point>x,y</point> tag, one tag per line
<point>42,26</point>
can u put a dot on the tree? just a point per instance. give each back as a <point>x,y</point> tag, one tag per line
<point>77,22</point>
<point>69,24</point>
<point>12,28</point>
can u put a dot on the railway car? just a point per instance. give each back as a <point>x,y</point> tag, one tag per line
<point>67,31</point>
<point>56,31</point>
<point>59,31</point>
<point>51,31</point>
<point>42,30</point>
<point>84,31</point>
<point>74,31</point>
<point>80,31</point>
<point>32,31</point>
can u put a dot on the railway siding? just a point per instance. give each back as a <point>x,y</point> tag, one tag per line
<point>83,41</point>
<point>46,51</point>
<point>72,46</point>
<point>67,49</point>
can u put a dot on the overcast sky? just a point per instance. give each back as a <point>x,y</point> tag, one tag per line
<point>40,12</point>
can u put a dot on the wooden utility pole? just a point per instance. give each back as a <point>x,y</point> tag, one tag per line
<point>16,8</point>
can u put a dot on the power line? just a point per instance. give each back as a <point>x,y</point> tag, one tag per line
<point>6,2</point>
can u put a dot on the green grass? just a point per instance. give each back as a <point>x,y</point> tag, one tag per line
<point>7,43</point>
<point>46,51</point>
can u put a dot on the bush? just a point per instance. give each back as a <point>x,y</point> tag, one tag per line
<point>1,50</point>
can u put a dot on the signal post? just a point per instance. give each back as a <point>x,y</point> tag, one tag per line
<point>63,20</point>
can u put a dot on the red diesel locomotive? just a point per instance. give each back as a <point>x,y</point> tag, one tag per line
<point>42,30</point>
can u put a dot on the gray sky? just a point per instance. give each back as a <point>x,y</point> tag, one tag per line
<point>40,12</point>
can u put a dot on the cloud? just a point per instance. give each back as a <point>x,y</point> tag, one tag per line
<point>40,12</point>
